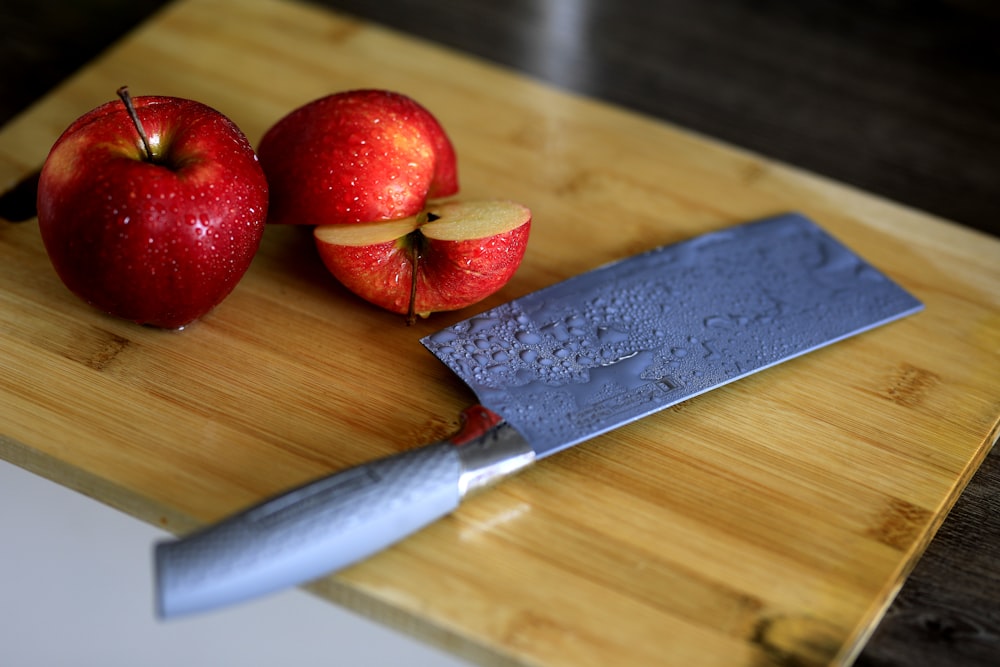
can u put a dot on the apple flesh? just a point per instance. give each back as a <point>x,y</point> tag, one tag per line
<point>448,257</point>
<point>160,238</point>
<point>356,156</point>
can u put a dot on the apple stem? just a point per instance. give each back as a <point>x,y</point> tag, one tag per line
<point>127,100</point>
<point>411,313</point>
<point>416,245</point>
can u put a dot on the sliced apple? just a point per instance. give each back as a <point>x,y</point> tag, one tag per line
<point>450,256</point>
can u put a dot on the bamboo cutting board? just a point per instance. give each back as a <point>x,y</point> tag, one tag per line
<point>767,522</point>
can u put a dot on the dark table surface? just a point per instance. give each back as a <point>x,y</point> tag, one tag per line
<point>900,98</point>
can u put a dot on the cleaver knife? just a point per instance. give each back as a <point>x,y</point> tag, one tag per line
<point>550,370</point>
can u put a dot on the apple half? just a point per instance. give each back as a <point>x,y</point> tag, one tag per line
<point>447,257</point>
<point>356,156</point>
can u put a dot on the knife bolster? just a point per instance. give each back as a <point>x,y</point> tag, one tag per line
<point>490,456</point>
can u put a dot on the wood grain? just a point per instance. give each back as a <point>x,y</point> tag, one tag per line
<point>765,523</point>
<point>931,622</point>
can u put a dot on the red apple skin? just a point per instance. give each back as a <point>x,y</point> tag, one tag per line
<point>356,156</point>
<point>450,274</point>
<point>157,242</point>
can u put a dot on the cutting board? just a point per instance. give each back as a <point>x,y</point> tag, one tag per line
<point>767,522</point>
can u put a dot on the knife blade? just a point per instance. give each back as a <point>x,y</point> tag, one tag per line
<point>550,370</point>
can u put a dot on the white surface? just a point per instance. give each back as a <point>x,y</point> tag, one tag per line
<point>76,589</point>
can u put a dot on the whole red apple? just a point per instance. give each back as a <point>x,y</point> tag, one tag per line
<point>157,229</point>
<point>448,257</point>
<point>356,156</point>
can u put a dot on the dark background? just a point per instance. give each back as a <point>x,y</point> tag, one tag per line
<point>897,97</point>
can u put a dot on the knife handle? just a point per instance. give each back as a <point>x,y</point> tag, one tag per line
<point>335,521</point>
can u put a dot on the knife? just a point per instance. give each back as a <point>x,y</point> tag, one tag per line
<point>550,370</point>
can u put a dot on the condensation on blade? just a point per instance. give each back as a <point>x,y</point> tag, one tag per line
<point>584,356</point>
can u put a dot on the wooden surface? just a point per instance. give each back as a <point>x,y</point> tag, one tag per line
<point>935,621</point>
<point>716,536</point>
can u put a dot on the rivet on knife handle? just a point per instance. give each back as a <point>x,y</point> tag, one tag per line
<point>331,523</point>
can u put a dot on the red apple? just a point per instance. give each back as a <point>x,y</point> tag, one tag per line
<point>356,156</point>
<point>446,258</point>
<point>153,218</point>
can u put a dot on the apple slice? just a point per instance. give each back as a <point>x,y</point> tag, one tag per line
<point>450,256</point>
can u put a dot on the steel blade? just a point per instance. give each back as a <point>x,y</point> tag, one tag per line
<point>601,349</point>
